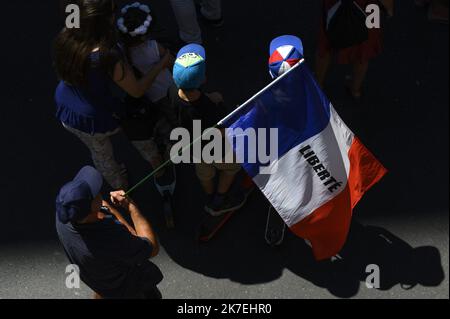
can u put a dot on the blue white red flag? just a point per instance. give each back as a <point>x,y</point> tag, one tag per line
<point>321,170</point>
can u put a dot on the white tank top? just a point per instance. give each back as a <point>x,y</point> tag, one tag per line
<point>144,57</point>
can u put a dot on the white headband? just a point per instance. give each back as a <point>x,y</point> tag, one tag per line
<point>141,30</point>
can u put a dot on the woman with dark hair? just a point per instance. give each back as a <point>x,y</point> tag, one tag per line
<point>88,63</point>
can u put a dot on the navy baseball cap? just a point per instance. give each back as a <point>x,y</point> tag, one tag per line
<point>74,200</point>
<point>189,70</point>
<point>285,52</point>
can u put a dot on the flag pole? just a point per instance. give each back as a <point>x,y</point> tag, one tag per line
<point>162,166</point>
<point>259,93</point>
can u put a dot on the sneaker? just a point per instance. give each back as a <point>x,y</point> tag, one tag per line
<point>222,204</point>
<point>167,181</point>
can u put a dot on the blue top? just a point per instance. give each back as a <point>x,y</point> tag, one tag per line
<point>90,108</point>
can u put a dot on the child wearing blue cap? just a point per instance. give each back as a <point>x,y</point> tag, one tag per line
<point>189,75</point>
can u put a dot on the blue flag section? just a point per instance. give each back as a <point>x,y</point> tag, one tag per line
<point>294,104</point>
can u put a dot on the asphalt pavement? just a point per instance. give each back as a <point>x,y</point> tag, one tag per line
<point>400,225</point>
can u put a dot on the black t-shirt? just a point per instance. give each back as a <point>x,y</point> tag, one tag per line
<point>112,261</point>
<point>202,109</point>
<point>205,110</point>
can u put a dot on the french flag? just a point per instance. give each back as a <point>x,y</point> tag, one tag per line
<point>321,170</point>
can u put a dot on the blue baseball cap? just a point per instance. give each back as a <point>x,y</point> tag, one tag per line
<point>74,200</point>
<point>189,70</point>
<point>285,52</point>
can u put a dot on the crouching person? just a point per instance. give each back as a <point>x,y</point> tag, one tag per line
<point>112,255</point>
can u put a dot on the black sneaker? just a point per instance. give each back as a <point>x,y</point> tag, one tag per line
<point>222,204</point>
<point>166,182</point>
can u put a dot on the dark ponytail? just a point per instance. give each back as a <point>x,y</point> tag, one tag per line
<point>73,47</point>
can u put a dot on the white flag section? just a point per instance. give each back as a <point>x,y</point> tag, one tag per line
<point>322,169</point>
<point>303,179</point>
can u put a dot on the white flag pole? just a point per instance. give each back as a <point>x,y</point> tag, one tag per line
<point>259,93</point>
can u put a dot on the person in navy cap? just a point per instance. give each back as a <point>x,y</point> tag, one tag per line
<point>112,256</point>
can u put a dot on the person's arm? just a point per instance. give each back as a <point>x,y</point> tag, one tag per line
<point>124,76</point>
<point>143,227</point>
<point>162,50</point>
<point>119,217</point>
<point>141,224</point>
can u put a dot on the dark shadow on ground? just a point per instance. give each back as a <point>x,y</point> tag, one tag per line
<point>404,122</point>
<point>240,253</point>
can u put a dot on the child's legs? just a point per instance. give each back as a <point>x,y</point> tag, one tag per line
<point>187,20</point>
<point>169,117</point>
<point>169,106</point>
<point>168,121</point>
<point>103,157</point>
<point>150,152</point>
<point>227,174</point>
<point>206,174</point>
